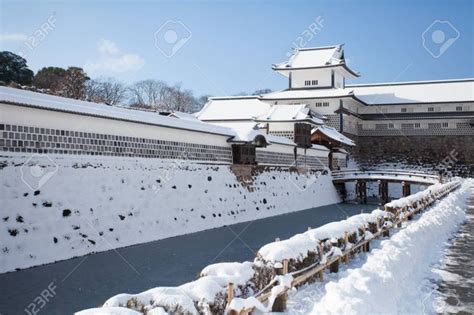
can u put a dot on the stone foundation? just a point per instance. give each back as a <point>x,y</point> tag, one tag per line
<point>453,155</point>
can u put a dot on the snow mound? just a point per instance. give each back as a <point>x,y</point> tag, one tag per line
<point>111,311</point>
<point>393,279</point>
<point>298,246</point>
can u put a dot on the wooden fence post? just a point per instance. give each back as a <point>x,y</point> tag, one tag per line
<point>321,254</point>
<point>386,231</point>
<point>334,267</point>
<point>346,240</point>
<point>366,246</point>
<point>279,305</point>
<point>230,297</point>
<point>377,226</point>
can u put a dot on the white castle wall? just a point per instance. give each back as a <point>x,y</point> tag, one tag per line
<point>75,205</point>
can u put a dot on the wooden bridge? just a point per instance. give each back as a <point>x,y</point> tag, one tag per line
<point>382,177</point>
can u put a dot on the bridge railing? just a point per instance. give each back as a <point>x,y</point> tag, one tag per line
<point>395,173</point>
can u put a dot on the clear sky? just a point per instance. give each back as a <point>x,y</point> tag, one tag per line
<point>223,48</point>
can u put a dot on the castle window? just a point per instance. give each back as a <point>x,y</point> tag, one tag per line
<point>459,108</point>
<point>445,125</point>
<point>322,104</point>
<point>314,82</point>
<point>391,126</point>
<point>431,109</point>
<point>417,125</point>
<point>307,82</point>
<point>404,110</point>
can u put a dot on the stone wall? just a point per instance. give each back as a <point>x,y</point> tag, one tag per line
<point>451,154</point>
<point>56,207</point>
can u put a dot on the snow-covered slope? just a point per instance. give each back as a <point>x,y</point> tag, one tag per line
<point>71,205</point>
<point>394,279</point>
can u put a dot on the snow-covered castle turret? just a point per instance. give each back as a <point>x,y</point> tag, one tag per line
<point>319,67</point>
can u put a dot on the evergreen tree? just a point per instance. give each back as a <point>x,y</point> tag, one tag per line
<point>13,69</point>
<point>51,78</point>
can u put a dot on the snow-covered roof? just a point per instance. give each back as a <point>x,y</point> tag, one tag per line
<point>182,115</point>
<point>233,108</point>
<point>315,57</point>
<point>415,92</point>
<point>334,134</point>
<point>289,113</point>
<point>247,131</point>
<point>308,94</point>
<point>50,102</point>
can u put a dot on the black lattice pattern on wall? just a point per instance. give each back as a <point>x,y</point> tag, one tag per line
<point>46,140</point>
<point>286,134</point>
<point>312,161</point>
<point>334,121</point>
<point>409,129</point>
<point>274,158</point>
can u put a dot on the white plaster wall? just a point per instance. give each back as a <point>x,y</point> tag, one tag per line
<point>281,126</point>
<point>279,148</point>
<point>316,152</point>
<point>338,80</point>
<point>10,114</point>
<point>322,75</point>
<point>333,106</point>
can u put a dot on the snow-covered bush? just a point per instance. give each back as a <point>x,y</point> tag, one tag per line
<point>303,250</point>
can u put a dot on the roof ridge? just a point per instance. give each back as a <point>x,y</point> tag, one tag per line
<point>319,48</point>
<point>234,97</point>
<point>412,82</point>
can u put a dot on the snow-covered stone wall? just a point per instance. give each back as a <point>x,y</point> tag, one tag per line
<point>56,207</point>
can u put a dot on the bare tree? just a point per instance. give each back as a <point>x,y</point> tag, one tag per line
<point>93,93</point>
<point>106,90</point>
<point>180,100</point>
<point>200,102</point>
<point>149,93</point>
<point>75,83</point>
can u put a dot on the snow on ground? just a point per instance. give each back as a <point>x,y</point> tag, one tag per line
<point>395,276</point>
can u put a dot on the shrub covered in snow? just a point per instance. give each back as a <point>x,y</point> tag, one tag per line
<point>303,250</point>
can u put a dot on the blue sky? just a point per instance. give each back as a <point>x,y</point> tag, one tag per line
<point>228,47</point>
